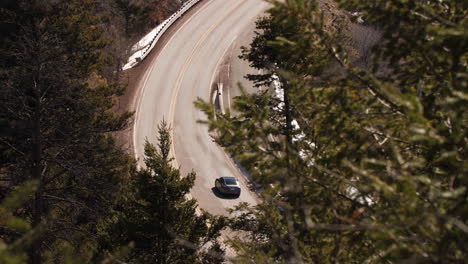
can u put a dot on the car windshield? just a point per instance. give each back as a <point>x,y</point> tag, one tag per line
<point>230,181</point>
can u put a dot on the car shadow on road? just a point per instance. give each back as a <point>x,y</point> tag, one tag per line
<point>223,196</point>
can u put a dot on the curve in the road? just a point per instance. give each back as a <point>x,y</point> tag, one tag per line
<point>181,73</point>
<point>189,60</point>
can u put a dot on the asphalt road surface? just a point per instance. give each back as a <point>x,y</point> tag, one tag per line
<point>184,70</point>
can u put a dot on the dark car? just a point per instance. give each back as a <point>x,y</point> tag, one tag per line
<point>228,185</point>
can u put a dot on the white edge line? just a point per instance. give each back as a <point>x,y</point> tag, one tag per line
<point>141,93</point>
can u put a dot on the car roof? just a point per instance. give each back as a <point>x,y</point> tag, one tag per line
<point>227,177</point>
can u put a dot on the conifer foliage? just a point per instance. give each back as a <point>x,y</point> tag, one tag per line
<point>55,115</point>
<point>68,193</point>
<point>361,165</point>
<point>159,220</point>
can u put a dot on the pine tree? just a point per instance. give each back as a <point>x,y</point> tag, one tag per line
<point>56,117</point>
<point>361,165</point>
<point>159,220</point>
<point>136,16</point>
<point>16,232</point>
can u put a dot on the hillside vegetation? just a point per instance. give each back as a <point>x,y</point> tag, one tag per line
<point>362,149</point>
<point>68,193</point>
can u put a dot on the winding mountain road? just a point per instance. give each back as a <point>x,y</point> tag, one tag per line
<point>184,70</point>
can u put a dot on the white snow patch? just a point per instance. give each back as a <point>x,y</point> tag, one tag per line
<point>352,191</point>
<point>279,92</point>
<point>140,47</point>
<point>355,194</point>
<point>359,19</point>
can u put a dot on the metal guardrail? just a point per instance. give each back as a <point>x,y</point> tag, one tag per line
<point>185,7</point>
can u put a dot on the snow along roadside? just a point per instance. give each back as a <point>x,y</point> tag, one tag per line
<point>351,191</point>
<point>143,47</point>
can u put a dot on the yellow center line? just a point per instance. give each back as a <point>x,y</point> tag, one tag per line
<point>185,67</point>
<point>179,83</point>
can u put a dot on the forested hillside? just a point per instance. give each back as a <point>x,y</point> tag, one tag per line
<point>361,151</point>
<point>68,193</point>
<point>363,156</point>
